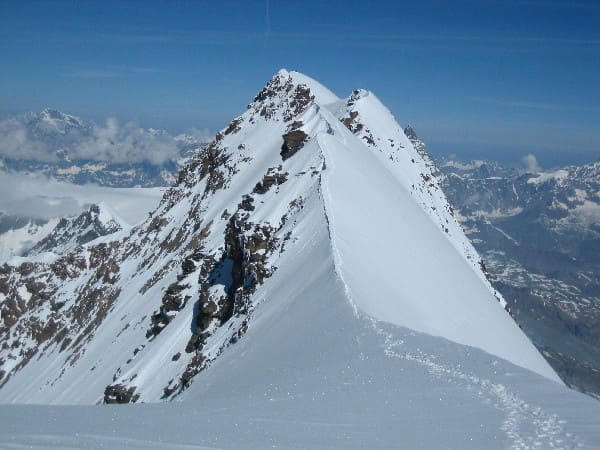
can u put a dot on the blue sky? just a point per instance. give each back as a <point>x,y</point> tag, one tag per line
<point>480,78</point>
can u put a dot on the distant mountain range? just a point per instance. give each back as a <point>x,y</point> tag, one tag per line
<point>54,147</point>
<point>67,148</point>
<point>539,236</point>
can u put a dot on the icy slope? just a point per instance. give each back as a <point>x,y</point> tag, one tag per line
<point>400,267</point>
<point>301,175</point>
<point>312,373</point>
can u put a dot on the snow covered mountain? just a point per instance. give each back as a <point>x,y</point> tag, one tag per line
<point>306,267</point>
<point>539,234</point>
<point>66,148</point>
<point>57,164</point>
<point>70,232</point>
<point>19,234</point>
<point>29,237</point>
<point>32,206</point>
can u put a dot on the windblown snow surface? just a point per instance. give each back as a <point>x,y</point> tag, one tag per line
<point>376,330</point>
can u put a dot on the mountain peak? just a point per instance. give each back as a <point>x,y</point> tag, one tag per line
<point>52,113</point>
<point>294,84</point>
<point>53,120</point>
<point>410,132</point>
<point>301,191</point>
<point>98,220</point>
<point>356,128</point>
<point>357,94</point>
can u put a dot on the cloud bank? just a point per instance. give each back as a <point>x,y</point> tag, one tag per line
<point>531,163</point>
<point>52,135</point>
<point>38,197</point>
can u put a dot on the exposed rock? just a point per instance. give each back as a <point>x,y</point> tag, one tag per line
<point>292,142</point>
<point>120,394</point>
<point>241,269</point>
<point>301,99</point>
<point>72,232</point>
<point>173,299</point>
<point>273,177</point>
<point>351,123</point>
<point>281,94</point>
<point>247,203</point>
<point>210,162</point>
<point>234,126</point>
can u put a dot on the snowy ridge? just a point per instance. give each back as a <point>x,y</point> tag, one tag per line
<point>137,318</point>
<point>375,125</point>
<point>99,220</point>
<point>293,291</point>
<point>446,309</point>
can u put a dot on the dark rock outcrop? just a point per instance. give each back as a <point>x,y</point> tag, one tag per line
<point>273,177</point>
<point>292,142</point>
<point>120,394</point>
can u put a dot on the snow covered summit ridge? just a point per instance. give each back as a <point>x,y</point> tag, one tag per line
<point>303,190</point>
<point>414,277</point>
<point>322,94</point>
<point>398,267</point>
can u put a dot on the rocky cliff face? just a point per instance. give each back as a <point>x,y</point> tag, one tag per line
<point>136,318</point>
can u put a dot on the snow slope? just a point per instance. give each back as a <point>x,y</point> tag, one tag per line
<point>304,285</point>
<point>422,282</point>
<point>313,373</point>
<point>16,241</point>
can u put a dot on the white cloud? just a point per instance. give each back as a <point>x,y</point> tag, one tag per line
<point>36,196</point>
<point>201,134</point>
<point>531,163</point>
<point>127,143</point>
<point>28,137</point>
